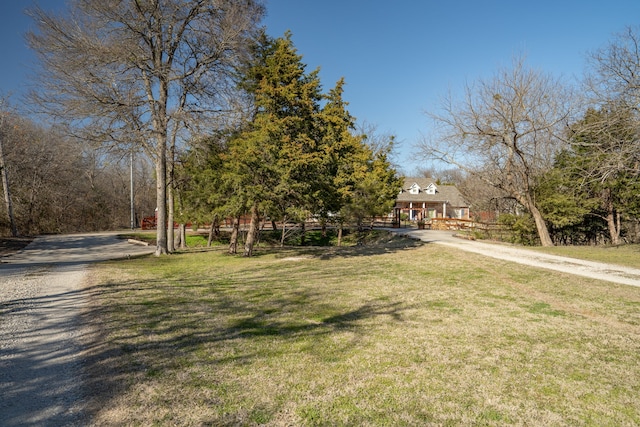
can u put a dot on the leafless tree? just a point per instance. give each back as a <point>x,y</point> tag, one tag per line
<point>609,133</point>
<point>613,73</point>
<point>612,83</point>
<point>141,71</point>
<point>61,185</point>
<point>506,131</point>
<point>4,175</point>
<point>452,176</point>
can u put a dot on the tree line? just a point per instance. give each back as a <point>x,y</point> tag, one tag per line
<point>54,184</point>
<point>230,118</point>
<point>235,125</point>
<point>565,159</point>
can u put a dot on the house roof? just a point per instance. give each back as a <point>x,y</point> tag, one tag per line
<point>443,193</point>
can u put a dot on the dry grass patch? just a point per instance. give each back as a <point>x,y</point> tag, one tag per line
<point>424,335</point>
<point>626,255</point>
<point>11,245</point>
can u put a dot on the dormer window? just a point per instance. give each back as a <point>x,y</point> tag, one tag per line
<point>432,189</point>
<point>414,189</point>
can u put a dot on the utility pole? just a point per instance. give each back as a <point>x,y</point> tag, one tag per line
<point>133,211</point>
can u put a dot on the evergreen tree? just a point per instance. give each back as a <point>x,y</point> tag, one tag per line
<point>345,158</point>
<point>377,185</point>
<point>601,136</point>
<point>294,158</point>
<point>591,180</point>
<point>201,190</point>
<point>275,160</point>
<point>565,204</point>
<point>363,181</point>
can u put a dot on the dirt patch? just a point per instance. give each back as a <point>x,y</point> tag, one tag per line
<point>11,245</point>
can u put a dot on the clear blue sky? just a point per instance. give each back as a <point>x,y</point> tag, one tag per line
<point>398,58</point>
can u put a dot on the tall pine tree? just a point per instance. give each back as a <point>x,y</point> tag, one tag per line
<point>276,158</point>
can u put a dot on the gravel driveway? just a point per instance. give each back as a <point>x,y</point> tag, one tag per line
<point>594,270</point>
<point>41,300</point>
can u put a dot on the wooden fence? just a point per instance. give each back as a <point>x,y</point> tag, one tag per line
<point>465,226</point>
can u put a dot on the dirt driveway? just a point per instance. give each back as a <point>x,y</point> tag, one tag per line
<point>41,300</point>
<point>595,270</point>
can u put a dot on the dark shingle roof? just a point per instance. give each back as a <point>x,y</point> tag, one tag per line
<point>444,193</point>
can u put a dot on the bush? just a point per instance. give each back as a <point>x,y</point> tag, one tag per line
<point>523,228</point>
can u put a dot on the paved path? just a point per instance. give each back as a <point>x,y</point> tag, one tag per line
<point>595,270</point>
<point>41,301</point>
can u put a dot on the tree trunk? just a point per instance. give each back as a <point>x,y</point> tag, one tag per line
<point>183,236</point>
<point>303,235</point>
<point>251,234</point>
<point>171,160</point>
<point>171,244</point>
<point>614,230</point>
<point>340,235</point>
<point>178,237</point>
<point>7,194</point>
<point>212,229</point>
<point>613,218</point>
<point>161,200</point>
<point>216,227</point>
<point>541,226</point>
<point>235,231</point>
<point>284,232</point>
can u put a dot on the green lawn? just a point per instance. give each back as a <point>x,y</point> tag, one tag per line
<point>387,335</point>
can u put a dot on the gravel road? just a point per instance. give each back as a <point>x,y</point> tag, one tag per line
<point>41,301</point>
<point>594,270</point>
<point>42,297</point>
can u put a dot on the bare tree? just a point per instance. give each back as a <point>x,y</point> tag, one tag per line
<point>607,140</point>
<point>505,131</point>
<point>141,71</point>
<point>3,172</point>
<point>613,73</point>
<point>612,83</point>
<point>59,184</point>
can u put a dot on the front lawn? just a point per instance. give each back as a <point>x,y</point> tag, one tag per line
<point>385,334</point>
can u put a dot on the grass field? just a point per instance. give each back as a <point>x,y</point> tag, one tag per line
<point>385,335</point>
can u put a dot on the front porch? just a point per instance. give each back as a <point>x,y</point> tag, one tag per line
<point>424,211</point>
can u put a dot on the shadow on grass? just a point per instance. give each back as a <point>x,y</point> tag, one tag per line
<point>391,245</point>
<point>134,330</point>
<point>10,245</point>
<point>236,319</point>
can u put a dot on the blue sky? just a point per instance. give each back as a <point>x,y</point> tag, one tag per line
<point>398,58</point>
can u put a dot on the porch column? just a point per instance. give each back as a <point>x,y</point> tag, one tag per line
<point>444,210</point>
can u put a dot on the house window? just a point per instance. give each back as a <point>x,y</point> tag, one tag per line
<point>414,189</point>
<point>432,189</point>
